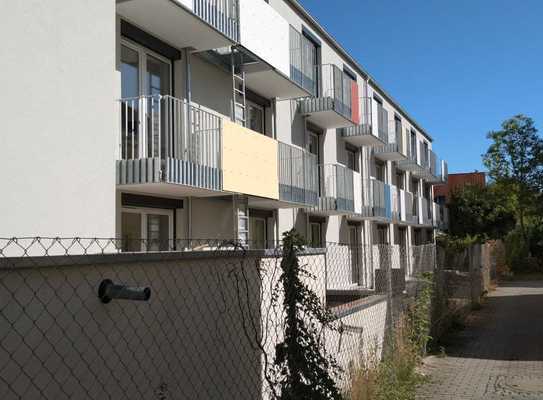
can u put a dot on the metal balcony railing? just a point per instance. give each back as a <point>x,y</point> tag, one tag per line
<point>223,15</point>
<point>336,188</point>
<point>334,90</point>
<point>378,198</point>
<point>409,216</point>
<point>298,175</point>
<point>364,126</point>
<point>432,163</point>
<point>382,123</point>
<point>425,211</point>
<point>163,138</point>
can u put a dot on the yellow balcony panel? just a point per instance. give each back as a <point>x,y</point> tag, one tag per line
<point>249,162</point>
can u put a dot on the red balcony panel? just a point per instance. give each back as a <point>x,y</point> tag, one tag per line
<point>355,103</point>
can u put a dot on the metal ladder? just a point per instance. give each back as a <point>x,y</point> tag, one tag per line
<point>238,89</point>
<point>241,218</point>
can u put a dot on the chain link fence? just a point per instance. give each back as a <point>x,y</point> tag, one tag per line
<point>83,319</point>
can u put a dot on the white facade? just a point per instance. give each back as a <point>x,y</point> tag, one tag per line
<point>59,112</point>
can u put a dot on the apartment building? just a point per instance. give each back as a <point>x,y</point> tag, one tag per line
<point>175,120</point>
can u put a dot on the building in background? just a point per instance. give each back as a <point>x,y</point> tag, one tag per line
<point>455,182</point>
<point>172,121</point>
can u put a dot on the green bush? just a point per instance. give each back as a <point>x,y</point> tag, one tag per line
<point>517,252</point>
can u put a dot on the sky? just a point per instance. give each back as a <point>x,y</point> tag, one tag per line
<point>458,67</point>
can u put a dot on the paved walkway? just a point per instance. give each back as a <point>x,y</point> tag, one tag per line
<point>500,353</point>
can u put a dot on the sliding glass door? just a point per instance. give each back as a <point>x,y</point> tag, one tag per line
<point>143,74</point>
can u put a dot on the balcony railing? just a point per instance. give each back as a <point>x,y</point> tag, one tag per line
<point>408,206</point>
<point>362,134</point>
<point>336,189</point>
<point>223,15</point>
<point>382,123</point>
<point>377,200</point>
<point>402,205</point>
<point>298,175</point>
<point>163,139</point>
<point>389,133</point>
<point>440,216</point>
<point>336,92</point>
<point>425,217</point>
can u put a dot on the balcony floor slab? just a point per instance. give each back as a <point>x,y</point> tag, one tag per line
<point>173,23</point>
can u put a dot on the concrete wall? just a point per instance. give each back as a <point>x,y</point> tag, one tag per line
<point>362,338</point>
<point>59,118</point>
<point>187,341</point>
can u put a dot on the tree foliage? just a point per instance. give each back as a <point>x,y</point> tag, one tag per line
<point>304,371</point>
<point>515,163</point>
<point>484,212</point>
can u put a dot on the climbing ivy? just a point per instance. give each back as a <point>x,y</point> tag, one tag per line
<point>303,369</point>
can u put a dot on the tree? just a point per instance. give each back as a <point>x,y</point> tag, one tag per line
<point>483,212</point>
<point>515,162</point>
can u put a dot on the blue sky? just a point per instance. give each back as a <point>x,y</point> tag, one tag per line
<point>459,67</point>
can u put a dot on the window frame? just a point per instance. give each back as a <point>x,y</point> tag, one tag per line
<point>143,53</point>
<point>145,212</point>
<point>262,109</point>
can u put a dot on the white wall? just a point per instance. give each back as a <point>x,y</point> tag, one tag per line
<point>59,118</point>
<point>266,33</point>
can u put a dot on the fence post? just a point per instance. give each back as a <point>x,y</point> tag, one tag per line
<point>474,253</point>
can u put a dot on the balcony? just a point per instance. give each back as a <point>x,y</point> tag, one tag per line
<point>200,24</point>
<point>363,134</point>
<point>163,140</point>
<point>393,147</point>
<point>425,214</point>
<point>377,200</point>
<point>265,45</point>
<point>414,163</point>
<point>336,104</point>
<point>298,176</point>
<point>402,206</point>
<point>441,217</point>
<point>438,170</point>
<point>336,191</point>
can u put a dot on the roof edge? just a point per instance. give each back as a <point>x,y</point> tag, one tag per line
<point>300,8</point>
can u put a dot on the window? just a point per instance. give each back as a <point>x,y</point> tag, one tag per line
<point>315,234</point>
<point>413,152</point>
<point>258,232</point>
<point>256,117</point>
<point>382,234</point>
<point>146,229</point>
<point>304,54</point>
<point>398,131</point>
<point>352,159</point>
<point>400,177</point>
<point>355,250</point>
<point>415,187</point>
<point>417,237</point>
<point>382,121</point>
<point>313,145</point>
<point>380,171</point>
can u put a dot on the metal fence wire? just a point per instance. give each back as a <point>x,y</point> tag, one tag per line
<point>81,319</point>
